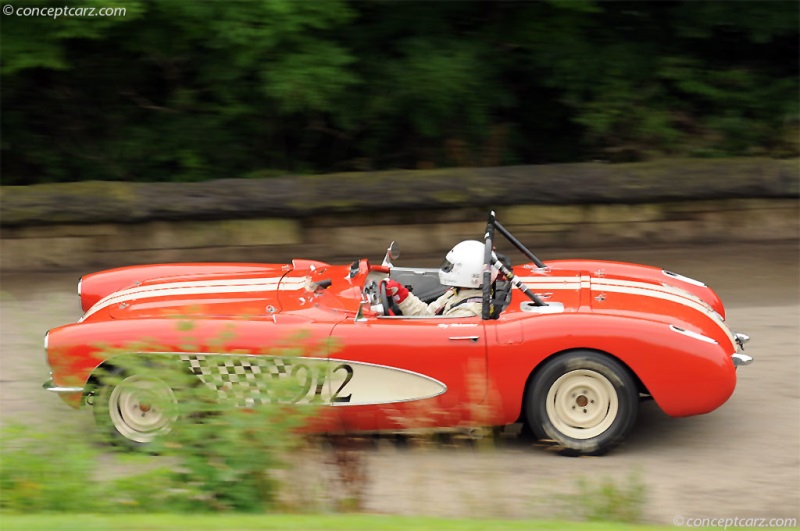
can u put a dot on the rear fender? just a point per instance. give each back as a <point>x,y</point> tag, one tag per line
<point>95,286</point>
<point>76,351</point>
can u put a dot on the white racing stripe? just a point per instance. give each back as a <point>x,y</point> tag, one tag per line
<point>195,284</point>
<point>665,288</point>
<point>631,287</point>
<point>679,298</point>
<point>172,289</point>
<point>602,283</point>
<point>539,286</point>
<point>552,282</point>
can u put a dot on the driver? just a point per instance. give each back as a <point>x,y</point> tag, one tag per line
<point>463,271</point>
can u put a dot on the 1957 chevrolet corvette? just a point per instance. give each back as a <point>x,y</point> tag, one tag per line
<point>568,347</point>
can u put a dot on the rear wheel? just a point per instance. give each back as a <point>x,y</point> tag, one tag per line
<point>134,410</point>
<point>585,401</point>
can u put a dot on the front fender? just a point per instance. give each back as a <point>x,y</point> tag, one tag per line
<point>685,376</point>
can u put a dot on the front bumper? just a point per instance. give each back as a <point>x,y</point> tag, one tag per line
<point>72,396</point>
<point>50,386</point>
<point>740,359</point>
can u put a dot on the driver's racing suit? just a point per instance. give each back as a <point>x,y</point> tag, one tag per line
<point>456,302</point>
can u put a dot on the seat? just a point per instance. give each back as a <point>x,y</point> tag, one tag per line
<point>422,282</point>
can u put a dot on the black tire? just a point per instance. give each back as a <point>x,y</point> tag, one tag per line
<point>134,411</point>
<point>585,401</point>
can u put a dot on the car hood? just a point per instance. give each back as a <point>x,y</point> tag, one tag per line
<point>634,297</point>
<point>641,273</point>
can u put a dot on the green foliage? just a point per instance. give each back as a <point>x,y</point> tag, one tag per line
<point>610,502</point>
<point>227,445</point>
<point>218,456</point>
<point>228,457</point>
<point>38,41</point>
<point>185,91</point>
<point>47,471</point>
<point>281,522</point>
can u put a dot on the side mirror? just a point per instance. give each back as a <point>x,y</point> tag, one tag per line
<point>392,253</point>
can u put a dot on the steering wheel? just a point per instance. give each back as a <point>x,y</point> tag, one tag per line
<point>389,306</point>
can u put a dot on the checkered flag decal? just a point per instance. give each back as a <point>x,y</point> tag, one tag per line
<point>244,379</point>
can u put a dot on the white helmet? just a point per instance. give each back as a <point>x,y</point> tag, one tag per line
<point>463,266</point>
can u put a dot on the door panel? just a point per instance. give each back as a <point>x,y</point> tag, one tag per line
<point>394,373</point>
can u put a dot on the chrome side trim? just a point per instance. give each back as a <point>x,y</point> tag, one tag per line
<point>740,359</point>
<point>49,386</point>
<point>691,334</point>
<point>46,345</point>
<point>683,278</point>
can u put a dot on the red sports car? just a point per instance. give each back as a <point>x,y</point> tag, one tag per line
<point>568,348</point>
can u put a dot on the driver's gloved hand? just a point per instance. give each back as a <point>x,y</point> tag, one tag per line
<point>396,291</point>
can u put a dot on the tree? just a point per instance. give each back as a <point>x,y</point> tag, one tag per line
<point>177,90</point>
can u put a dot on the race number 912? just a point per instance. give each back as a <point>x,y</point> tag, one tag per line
<point>307,378</point>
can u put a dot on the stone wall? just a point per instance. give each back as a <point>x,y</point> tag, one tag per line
<point>87,226</point>
<point>420,234</point>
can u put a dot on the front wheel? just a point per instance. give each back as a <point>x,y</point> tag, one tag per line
<point>585,401</point>
<point>134,410</point>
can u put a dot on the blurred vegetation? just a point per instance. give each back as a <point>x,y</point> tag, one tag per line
<point>186,91</point>
<point>221,453</point>
<point>217,457</point>
<point>281,522</point>
<point>609,501</point>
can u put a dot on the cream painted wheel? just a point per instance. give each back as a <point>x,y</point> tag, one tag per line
<point>584,401</point>
<point>137,410</point>
<point>582,404</point>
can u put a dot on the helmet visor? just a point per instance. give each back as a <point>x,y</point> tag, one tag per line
<point>447,266</point>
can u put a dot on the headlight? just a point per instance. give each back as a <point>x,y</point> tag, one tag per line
<point>46,342</point>
<point>80,280</point>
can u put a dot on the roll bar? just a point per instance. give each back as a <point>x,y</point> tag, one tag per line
<point>490,259</point>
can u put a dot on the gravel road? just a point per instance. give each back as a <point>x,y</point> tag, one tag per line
<point>742,460</point>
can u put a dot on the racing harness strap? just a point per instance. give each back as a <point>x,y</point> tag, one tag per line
<point>465,301</point>
<point>440,310</point>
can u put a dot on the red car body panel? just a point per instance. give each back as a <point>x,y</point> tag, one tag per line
<point>97,285</point>
<point>656,275</point>
<point>669,333</point>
